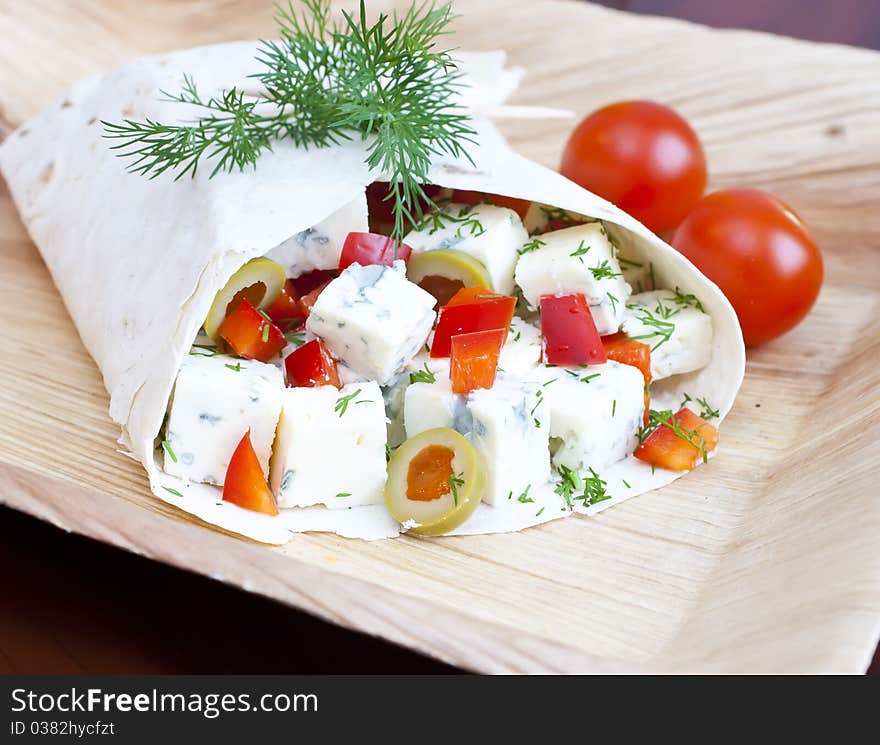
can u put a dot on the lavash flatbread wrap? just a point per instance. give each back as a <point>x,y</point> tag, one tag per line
<point>139,263</point>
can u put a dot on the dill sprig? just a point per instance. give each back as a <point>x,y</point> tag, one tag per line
<point>668,419</point>
<point>321,83</point>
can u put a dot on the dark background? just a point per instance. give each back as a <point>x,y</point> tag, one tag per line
<point>72,605</point>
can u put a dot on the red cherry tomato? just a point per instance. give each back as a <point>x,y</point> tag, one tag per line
<point>641,156</point>
<point>758,251</point>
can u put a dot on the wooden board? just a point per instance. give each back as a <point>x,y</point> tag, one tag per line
<point>768,559</point>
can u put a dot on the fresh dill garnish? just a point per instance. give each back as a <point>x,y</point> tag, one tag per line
<point>235,368</point>
<point>603,271</point>
<point>265,334</point>
<point>628,262</point>
<point>583,378</point>
<point>614,407</point>
<point>580,251</point>
<point>569,483</point>
<point>343,494</point>
<point>614,301</point>
<point>343,401</point>
<point>524,498</point>
<point>297,338</point>
<point>171,454</point>
<point>387,452</point>
<point>172,491</point>
<point>668,419</point>
<point>204,350</point>
<point>683,300</point>
<point>626,483</point>
<point>532,245</point>
<point>321,83</point>
<point>706,410</point>
<point>423,376</point>
<point>651,275</point>
<point>537,424</point>
<point>594,490</point>
<point>664,329</point>
<point>549,382</point>
<point>538,513</point>
<point>454,483</point>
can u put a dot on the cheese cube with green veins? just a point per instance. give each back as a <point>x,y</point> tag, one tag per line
<point>330,448</point>
<point>320,246</point>
<point>511,430</point>
<point>521,352</point>
<point>490,234</point>
<point>216,400</point>
<point>373,319</point>
<point>578,259</point>
<point>676,328</point>
<point>421,368</point>
<point>595,413</point>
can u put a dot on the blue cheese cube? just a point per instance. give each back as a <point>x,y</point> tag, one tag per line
<point>373,319</point>
<point>595,413</point>
<point>492,235</point>
<point>320,246</point>
<point>578,259</point>
<point>216,400</point>
<point>674,325</point>
<point>330,448</point>
<point>511,430</point>
<point>521,352</point>
<point>430,405</point>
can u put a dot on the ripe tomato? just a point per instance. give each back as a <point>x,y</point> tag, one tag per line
<point>641,156</point>
<point>758,251</point>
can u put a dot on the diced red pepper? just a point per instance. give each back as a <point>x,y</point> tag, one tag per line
<point>250,334</point>
<point>245,484</point>
<point>666,449</point>
<point>520,206</point>
<point>493,312</point>
<point>372,248</point>
<point>381,209</point>
<point>620,348</point>
<point>311,365</point>
<point>285,309</point>
<point>307,282</point>
<point>472,295</point>
<point>569,331</point>
<point>474,359</point>
<point>309,299</point>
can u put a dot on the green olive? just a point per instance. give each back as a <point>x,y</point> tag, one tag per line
<point>444,271</point>
<point>436,479</point>
<point>259,281</point>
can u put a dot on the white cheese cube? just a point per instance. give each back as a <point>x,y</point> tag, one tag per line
<point>216,400</point>
<point>430,405</point>
<point>577,259</point>
<point>511,431</point>
<point>676,328</point>
<point>373,319</point>
<point>330,447</point>
<point>492,235</point>
<point>521,352</point>
<point>420,368</point>
<point>539,216</point>
<point>319,247</point>
<point>595,413</point>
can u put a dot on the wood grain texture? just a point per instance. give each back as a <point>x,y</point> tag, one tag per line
<point>765,560</point>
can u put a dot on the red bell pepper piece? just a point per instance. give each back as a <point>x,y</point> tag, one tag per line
<point>250,334</point>
<point>569,331</point>
<point>245,484</point>
<point>305,283</point>
<point>680,445</point>
<point>381,208</point>
<point>520,206</point>
<point>309,299</point>
<point>492,312</point>
<point>311,365</point>
<point>474,359</point>
<point>620,348</point>
<point>472,295</point>
<point>285,310</point>
<point>372,248</point>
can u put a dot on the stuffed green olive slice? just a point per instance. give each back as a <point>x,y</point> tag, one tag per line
<point>444,271</point>
<point>435,480</point>
<point>259,282</point>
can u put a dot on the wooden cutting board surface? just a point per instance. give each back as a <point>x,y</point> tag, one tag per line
<point>767,559</point>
